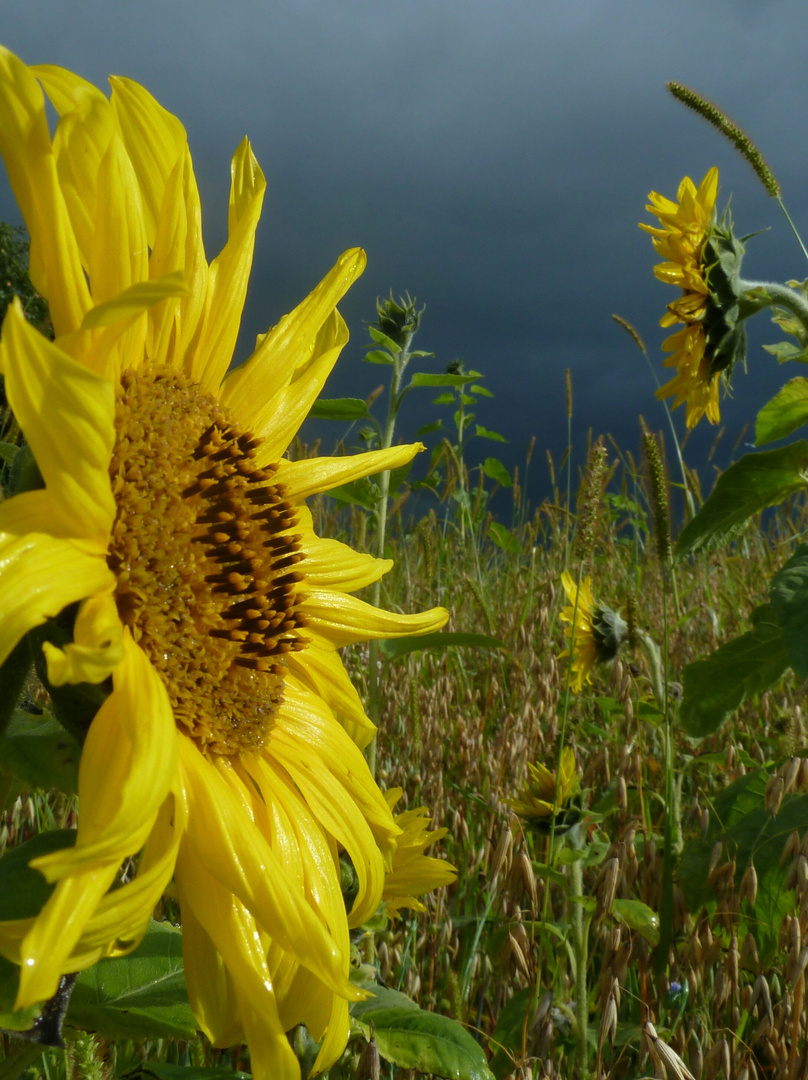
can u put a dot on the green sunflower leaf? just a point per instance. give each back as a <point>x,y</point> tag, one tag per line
<point>638,916</point>
<point>377,356</point>
<point>504,538</point>
<point>139,996</point>
<point>713,688</point>
<point>787,411</point>
<point>789,598</point>
<point>39,753</point>
<point>383,340</point>
<point>748,486</point>
<point>411,1038</point>
<point>161,1070</point>
<point>23,890</point>
<point>362,492</point>
<point>486,433</point>
<point>8,451</point>
<point>345,408</point>
<point>495,470</point>
<point>423,378</point>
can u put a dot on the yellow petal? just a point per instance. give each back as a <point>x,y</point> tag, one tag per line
<point>222,837</point>
<point>128,766</point>
<point>119,257</point>
<point>313,475</point>
<point>330,564</point>
<point>97,646</point>
<point>210,987</point>
<point>229,273</point>
<point>154,141</point>
<point>308,721</point>
<point>344,620</point>
<point>135,299</point>
<point>68,416</point>
<point>177,247</point>
<point>250,391</point>
<point>54,263</point>
<point>39,576</point>
<point>322,671</point>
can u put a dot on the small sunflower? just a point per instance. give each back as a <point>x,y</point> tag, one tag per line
<point>413,872</point>
<point>682,241</point>
<point>227,752</point>
<point>594,634</point>
<point>536,802</point>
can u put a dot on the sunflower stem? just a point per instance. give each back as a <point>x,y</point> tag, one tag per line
<point>771,294</point>
<point>400,360</point>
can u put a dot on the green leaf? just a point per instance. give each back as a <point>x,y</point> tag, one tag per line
<point>495,470</point>
<point>427,429</point>
<point>161,1070</point>
<point>423,378</point>
<point>486,433</point>
<point>788,593</point>
<point>504,538</point>
<point>10,1018</point>
<point>511,1030</point>
<point>362,492</point>
<point>346,408</point>
<point>138,996</point>
<point>716,686</point>
<point>444,399</point>
<point>395,648</point>
<point>786,350</point>
<point>39,752</point>
<point>23,890</point>
<point>378,357</point>
<point>383,340</point>
<point>638,916</point>
<point>786,411</point>
<point>739,819</point>
<point>748,486</point>
<point>481,390</point>
<point>411,1038</point>
<point>8,451</point>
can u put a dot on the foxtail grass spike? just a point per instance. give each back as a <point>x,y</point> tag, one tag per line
<point>631,331</point>
<point>730,130</point>
<point>631,621</point>
<point>568,383</point>
<point>589,496</point>
<point>659,495</point>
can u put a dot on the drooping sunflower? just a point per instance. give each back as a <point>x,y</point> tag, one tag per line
<point>594,633</point>
<point>171,536</point>
<point>414,873</point>
<point>536,800</point>
<point>681,241</point>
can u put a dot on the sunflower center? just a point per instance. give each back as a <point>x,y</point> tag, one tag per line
<point>203,550</point>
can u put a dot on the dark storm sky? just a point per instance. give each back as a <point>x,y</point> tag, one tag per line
<point>492,158</point>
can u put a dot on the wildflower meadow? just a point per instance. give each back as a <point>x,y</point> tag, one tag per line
<point>348,758</point>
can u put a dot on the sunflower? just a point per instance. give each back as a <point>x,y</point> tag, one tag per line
<point>413,872</point>
<point>681,241</point>
<point>172,533</point>
<point>595,632</point>
<point>537,799</point>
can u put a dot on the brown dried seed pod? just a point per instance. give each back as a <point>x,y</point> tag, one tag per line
<point>502,852</point>
<point>749,885</point>
<point>789,773</point>
<point>791,847</point>
<point>621,794</point>
<point>773,796</point>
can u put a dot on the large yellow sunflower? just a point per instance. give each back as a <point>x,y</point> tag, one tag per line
<point>680,241</point>
<point>227,753</point>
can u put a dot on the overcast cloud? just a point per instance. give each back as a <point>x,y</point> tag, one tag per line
<point>493,159</point>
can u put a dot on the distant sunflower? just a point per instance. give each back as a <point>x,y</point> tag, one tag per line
<point>228,751</point>
<point>414,873</point>
<point>595,632</point>
<point>536,800</point>
<point>681,241</point>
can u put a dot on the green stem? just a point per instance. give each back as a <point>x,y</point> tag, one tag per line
<point>21,1056</point>
<point>793,226</point>
<point>773,294</point>
<point>400,361</point>
<point>580,944</point>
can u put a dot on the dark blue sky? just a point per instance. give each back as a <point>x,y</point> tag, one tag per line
<point>493,159</point>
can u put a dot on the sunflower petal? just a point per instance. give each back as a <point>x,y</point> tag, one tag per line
<point>314,475</point>
<point>343,619</point>
<point>210,987</point>
<point>323,672</point>
<point>73,446</point>
<point>39,576</point>
<point>25,144</point>
<point>250,391</point>
<point>154,141</point>
<point>97,646</point>
<point>242,861</point>
<point>229,273</point>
